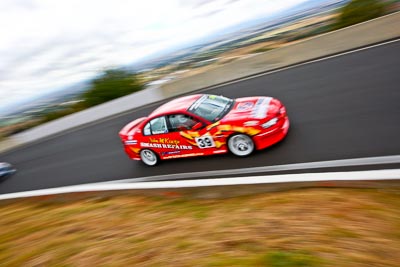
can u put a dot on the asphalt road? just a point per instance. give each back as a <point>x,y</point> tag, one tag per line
<point>343,107</point>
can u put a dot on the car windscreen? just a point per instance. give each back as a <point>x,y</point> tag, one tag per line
<point>211,107</point>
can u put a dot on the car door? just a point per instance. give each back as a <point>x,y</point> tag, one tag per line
<point>191,132</point>
<point>165,139</point>
<point>155,132</point>
<point>178,124</point>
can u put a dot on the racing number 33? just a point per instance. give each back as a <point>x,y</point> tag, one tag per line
<point>205,141</point>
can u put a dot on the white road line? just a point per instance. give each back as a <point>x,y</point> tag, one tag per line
<point>377,175</point>
<point>276,168</point>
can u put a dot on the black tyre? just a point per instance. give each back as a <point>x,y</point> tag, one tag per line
<point>241,145</point>
<point>148,157</point>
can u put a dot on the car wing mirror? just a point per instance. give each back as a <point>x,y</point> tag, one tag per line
<point>197,126</point>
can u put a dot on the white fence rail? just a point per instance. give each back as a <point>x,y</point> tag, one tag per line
<point>227,187</point>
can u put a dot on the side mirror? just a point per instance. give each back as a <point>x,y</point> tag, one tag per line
<point>197,126</point>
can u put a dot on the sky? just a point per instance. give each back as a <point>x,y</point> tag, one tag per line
<point>49,44</point>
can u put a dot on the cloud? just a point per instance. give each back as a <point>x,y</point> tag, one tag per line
<point>49,44</point>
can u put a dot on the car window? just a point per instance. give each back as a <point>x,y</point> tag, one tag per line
<point>181,122</point>
<point>156,126</point>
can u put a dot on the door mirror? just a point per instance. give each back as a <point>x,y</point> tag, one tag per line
<point>197,126</point>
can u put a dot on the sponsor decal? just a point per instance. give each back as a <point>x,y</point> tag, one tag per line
<point>244,106</point>
<point>132,142</point>
<point>183,156</point>
<point>205,141</point>
<point>170,153</point>
<point>162,140</point>
<point>165,146</point>
<point>261,108</point>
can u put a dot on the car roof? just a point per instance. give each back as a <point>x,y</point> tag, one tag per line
<point>177,105</point>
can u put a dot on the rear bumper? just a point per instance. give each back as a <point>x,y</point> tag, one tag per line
<point>268,138</point>
<point>129,151</point>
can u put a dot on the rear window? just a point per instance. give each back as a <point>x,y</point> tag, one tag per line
<point>156,126</point>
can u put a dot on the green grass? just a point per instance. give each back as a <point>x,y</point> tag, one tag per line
<point>290,259</point>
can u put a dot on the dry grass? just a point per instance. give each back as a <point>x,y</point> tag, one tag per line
<point>315,227</point>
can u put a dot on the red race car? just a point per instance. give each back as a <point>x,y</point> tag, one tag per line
<point>203,124</point>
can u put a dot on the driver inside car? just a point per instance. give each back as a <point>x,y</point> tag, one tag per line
<point>181,122</point>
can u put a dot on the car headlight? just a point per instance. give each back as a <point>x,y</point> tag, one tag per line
<point>269,123</point>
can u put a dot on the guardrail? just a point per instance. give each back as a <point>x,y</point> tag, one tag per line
<point>362,34</point>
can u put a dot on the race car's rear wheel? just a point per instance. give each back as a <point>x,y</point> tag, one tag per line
<point>148,157</point>
<point>241,145</point>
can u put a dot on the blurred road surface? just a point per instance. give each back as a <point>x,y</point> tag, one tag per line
<point>342,107</point>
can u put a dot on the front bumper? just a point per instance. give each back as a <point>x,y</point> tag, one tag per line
<point>272,136</point>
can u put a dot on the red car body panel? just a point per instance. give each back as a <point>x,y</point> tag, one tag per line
<point>264,119</point>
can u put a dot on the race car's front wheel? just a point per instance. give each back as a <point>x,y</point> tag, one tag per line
<point>148,157</point>
<point>241,145</point>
